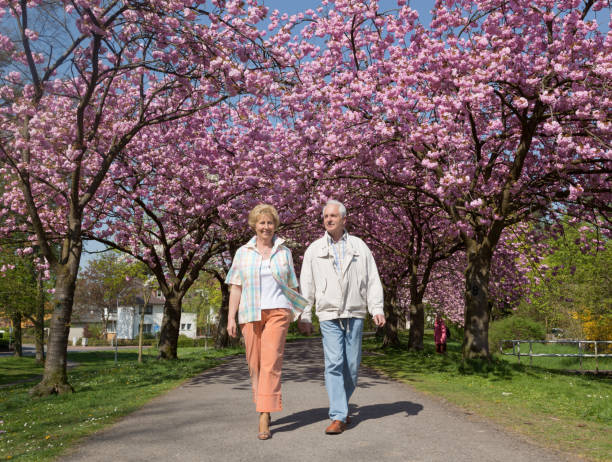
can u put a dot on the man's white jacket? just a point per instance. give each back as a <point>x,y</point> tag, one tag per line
<point>348,295</point>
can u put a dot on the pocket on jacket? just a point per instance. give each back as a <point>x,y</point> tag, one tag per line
<point>322,286</point>
<point>363,292</point>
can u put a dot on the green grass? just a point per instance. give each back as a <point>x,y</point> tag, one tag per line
<point>40,429</point>
<point>18,369</point>
<point>557,409</point>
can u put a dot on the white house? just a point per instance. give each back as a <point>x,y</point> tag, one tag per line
<point>126,322</point>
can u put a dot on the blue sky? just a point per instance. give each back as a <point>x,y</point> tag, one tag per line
<point>423,7</point>
<point>291,7</point>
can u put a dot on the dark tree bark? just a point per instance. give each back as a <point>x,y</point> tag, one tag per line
<point>39,321</point>
<point>168,339</point>
<point>223,339</point>
<point>391,337</point>
<point>17,334</point>
<point>417,326</point>
<point>55,377</point>
<point>477,306</point>
<point>418,285</point>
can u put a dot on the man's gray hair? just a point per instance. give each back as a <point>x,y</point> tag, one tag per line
<point>341,207</point>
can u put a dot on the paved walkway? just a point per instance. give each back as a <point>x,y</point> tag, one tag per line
<point>212,418</point>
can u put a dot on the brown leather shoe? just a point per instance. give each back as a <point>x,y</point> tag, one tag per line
<point>336,427</point>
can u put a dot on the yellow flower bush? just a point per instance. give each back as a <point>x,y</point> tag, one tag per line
<point>596,327</point>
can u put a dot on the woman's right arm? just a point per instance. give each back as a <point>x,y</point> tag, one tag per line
<point>234,302</point>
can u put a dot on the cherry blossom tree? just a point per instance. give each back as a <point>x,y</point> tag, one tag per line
<point>409,239</point>
<point>165,211</point>
<point>180,204</point>
<point>496,111</point>
<point>72,106</point>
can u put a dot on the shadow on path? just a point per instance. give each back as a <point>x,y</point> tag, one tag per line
<point>358,414</point>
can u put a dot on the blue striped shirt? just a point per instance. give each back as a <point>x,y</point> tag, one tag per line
<point>338,250</point>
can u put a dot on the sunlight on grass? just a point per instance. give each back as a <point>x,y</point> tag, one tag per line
<point>566,411</point>
<point>18,369</point>
<point>40,429</point>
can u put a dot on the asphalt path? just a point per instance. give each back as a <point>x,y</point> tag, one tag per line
<point>212,418</point>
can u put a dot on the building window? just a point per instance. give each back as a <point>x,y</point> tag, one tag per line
<point>146,328</point>
<point>182,326</point>
<point>188,326</point>
<point>159,294</point>
<point>148,310</point>
<point>111,326</point>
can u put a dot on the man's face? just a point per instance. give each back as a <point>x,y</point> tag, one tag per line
<point>333,221</point>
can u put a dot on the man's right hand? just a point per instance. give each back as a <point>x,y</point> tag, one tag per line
<point>305,327</point>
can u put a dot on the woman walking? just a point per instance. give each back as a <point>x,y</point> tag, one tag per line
<point>263,280</point>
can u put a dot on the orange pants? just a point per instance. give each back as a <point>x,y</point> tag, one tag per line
<point>265,343</point>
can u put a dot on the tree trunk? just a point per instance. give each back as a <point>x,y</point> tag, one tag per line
<point>55,377</point>
<point>17,335</point>
<point>40,322</point>
<point>417,325</point>
<point>477,306</point>
<point>390,337</point>
<point>146,297</point>
<point>417,310</point>
<point>168,338</point>
<point>223,339</point>
<point>141,328</point>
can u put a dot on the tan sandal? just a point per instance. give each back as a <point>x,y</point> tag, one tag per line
<point>266,434</point>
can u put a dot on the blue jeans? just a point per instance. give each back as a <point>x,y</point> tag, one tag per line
<point>342,348</point>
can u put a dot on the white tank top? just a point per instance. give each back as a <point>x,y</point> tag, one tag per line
<point>271,294</point>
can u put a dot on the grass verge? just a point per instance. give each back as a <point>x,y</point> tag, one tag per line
<point>18,369</point>
<point>568,412</point>
<point>40,429</point>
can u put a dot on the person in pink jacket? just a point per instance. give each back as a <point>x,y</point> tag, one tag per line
<point>440,334</point>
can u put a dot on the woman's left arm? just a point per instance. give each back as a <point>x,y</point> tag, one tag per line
<point>291,277</point>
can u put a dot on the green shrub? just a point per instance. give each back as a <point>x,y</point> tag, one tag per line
<point>456,332</point>
<point>122,342</point>
<point>184,341</point>
<point>514,328</point>
<point>94,341</point>
<point>93,331</point>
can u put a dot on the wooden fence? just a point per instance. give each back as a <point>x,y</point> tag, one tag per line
<point>516,350</point>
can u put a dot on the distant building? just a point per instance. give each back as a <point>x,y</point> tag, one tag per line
<point>125,322</point>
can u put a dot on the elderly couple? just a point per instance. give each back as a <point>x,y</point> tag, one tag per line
<point>339,277</point>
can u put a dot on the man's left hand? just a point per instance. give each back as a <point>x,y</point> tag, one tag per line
<point>379,320</point>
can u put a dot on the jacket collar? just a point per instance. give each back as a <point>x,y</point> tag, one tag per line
<point>324,250</point>
<point>276,242</point>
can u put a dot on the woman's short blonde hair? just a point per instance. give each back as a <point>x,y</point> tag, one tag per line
<point>263,209</point>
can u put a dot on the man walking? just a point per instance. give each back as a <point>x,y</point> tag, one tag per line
<point>339,276</point>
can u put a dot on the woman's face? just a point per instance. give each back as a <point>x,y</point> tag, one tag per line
<point>264,227</point>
